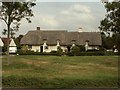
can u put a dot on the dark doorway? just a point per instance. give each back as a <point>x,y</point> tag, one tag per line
<point>68,47</point>
<point>41,49</point>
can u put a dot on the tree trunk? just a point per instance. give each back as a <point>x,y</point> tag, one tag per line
<point>8,40</point>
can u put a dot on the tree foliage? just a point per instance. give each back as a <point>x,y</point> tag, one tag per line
<point>111,22</point>
<point>75,50</point>
<point>13,12</point>
<point>17,41</point>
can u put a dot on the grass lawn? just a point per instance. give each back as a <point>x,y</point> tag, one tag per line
<point>60,72</point>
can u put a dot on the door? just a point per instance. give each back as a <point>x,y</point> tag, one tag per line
<point>41,49</point>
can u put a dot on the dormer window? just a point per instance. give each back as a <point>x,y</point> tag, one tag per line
<point>45,40</point>
<point>45,44</point>
<point>87,42</point>
<point>73,43</point>
<point>58,42</point>
<point>46,47</point>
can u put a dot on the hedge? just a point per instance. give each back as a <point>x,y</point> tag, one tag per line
<point>75,53</point>
<point>28,52</point>
<point>93,54</point>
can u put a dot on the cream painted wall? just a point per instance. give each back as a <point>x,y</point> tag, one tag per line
<point>93,47</point>
<point>50,48</point>
<point>63,48</point>
<point>12,49</point>
<point>36,48</point>
<point>53,48</point>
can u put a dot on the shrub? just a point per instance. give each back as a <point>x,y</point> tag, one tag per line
<point>97,53</point>
<point>24,48</point>
<point>111,53</point>
<point>102,49</point>
<point>29,52</point>
<point>82,48</point>
<point>75,51</point>
<point>59,51</point>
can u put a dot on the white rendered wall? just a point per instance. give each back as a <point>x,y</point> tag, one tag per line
<point>35,48</point>
<point>93,47</point>
<point>63,48</point>
<point>50,48</point>
<point>12,49</point>
<point>54,48</point>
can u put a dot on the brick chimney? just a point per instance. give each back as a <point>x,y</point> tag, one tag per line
<point>38,28</point>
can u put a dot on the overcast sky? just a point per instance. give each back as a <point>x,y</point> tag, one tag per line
<point>64,15</point>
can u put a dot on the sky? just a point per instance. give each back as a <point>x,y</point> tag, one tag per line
<point>64,16</point>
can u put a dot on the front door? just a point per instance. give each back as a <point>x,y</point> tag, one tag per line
<point>68,47</point>
<point>41,49</point>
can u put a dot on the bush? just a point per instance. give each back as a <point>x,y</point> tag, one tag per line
<point>102,49</point>
<point>59,51</point>
<point>97,53</point>
<point>75,51</point>
<point>91,53</point>
<point>82,48</point>
<point>111,53</point>
<point>29,52</point>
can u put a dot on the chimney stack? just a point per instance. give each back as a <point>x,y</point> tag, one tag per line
<point>38,28</point>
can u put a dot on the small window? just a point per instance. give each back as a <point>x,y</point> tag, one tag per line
<point>46,47</point>
<point>73,41</point>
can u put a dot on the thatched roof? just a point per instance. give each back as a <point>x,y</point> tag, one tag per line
<point>37,37</point>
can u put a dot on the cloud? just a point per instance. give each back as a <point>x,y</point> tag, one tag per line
<point>79,11</point>
<point>49,20</point>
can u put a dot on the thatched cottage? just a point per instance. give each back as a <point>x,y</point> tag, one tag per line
<point>47,41</point>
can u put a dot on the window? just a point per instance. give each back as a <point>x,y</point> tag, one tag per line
<point>87,42</point>
<point>73,41</point>
<point>46,47</point>
<point>58,42</point>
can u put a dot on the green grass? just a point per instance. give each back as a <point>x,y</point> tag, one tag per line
<point>60,72</point>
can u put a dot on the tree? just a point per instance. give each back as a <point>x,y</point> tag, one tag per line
<point>111,22</point>
<point>13,12</point>
<point>75,50</point>
<point>12,30</point>
<point>17,41</point>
